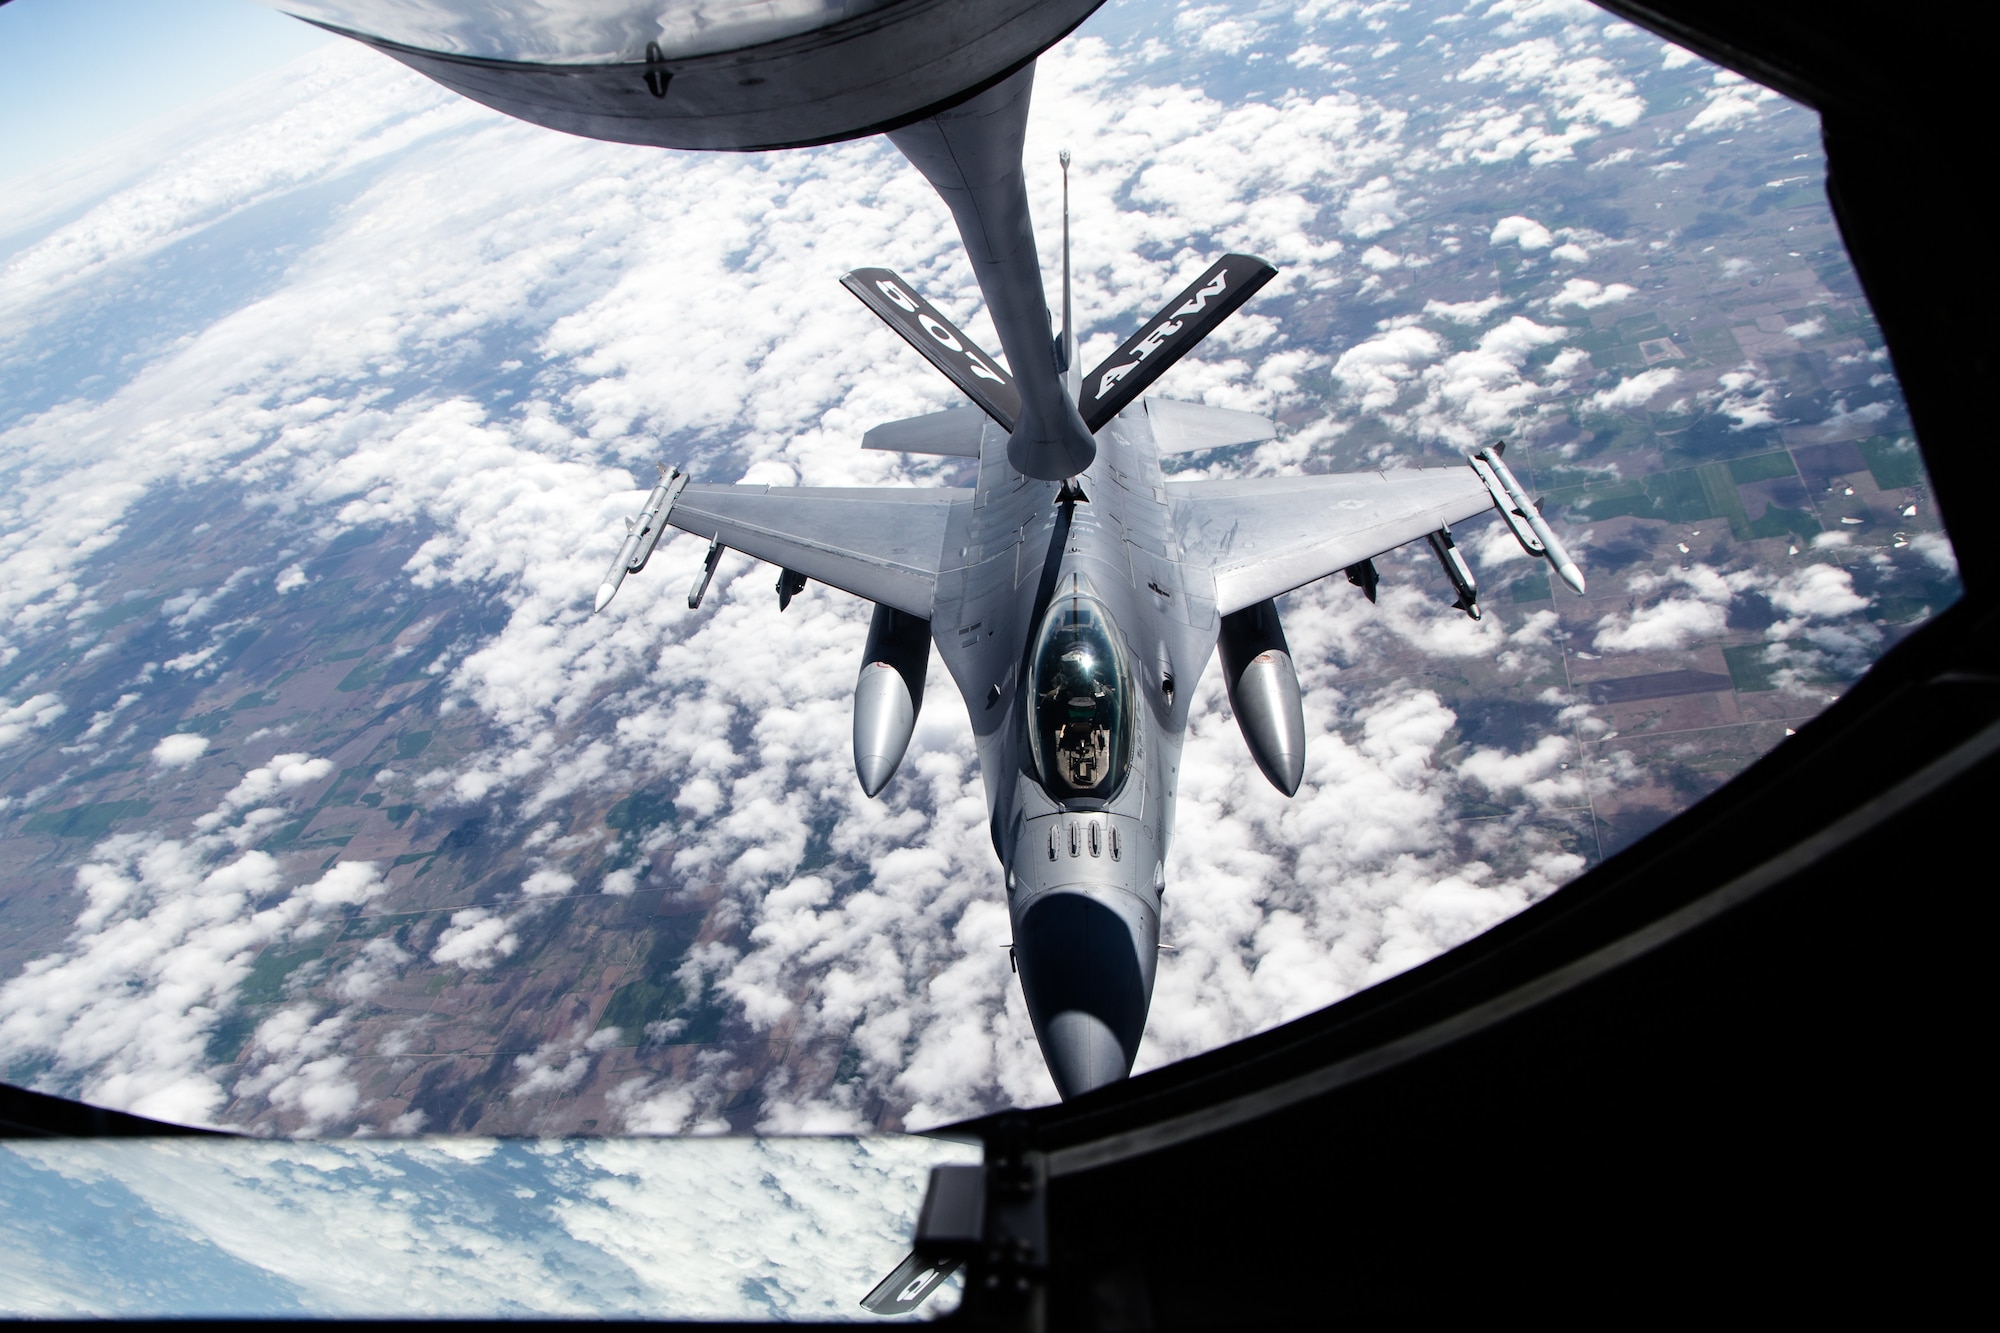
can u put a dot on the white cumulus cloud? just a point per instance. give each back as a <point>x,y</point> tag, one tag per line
<point>1696,609</point>
<point>1371,209</point>
<point>1583,294</point>
<point>1524,232</point>
<point>1374,372</point>
<point>1473,394</point>
<point>1635,391</point>
<point>1576,98</point>
<point>169,929</point>
<point>1731,101</point>
<point>31,714</point>
<point>180,750</point>
<point>476,939</point>
<point>1464,312</point>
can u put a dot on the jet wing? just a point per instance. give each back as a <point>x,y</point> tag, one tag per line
<point>881,543</point>
<point>1268,535</point>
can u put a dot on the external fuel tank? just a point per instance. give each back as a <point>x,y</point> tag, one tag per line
<point>889,694</point>
<point>1264,692</point>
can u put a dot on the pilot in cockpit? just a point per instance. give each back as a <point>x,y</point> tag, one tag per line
<point>1083,738</point>
<point>1079,732</point>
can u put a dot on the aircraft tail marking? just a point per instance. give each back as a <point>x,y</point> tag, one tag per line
<point>942,343</point>
<point>1168,336</point>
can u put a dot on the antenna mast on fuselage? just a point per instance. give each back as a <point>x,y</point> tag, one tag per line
<point>1066,349</point>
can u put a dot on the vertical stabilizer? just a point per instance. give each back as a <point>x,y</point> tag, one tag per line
<point>971,155</point>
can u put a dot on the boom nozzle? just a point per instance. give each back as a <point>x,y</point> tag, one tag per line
<point>971,154</point>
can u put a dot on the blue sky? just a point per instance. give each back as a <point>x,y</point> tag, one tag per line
<point>75,73</point>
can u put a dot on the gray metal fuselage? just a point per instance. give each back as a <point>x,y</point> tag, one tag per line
<point>1085,876</point>
<point>1085,872</point>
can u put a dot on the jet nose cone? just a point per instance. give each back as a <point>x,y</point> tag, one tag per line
<point>1085,960</point>
<point>1082,1053</point>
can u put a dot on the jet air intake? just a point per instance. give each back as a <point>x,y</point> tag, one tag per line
<point>889,694</point>
<point>1264,693</point>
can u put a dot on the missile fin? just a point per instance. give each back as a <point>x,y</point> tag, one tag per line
<point>790,585</point>
<point>1365,577</point>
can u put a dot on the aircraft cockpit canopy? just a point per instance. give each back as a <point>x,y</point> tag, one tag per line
<point>1080,723</point>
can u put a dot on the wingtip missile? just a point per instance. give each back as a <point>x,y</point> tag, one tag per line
<point>1569,573</point>
<point>1522,515</point>
<point>641,535</point>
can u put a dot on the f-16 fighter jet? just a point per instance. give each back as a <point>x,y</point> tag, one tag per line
<point>1074,593</point>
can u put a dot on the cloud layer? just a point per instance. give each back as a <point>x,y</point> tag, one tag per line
<point>699,1229</point>
<point>468,341</point>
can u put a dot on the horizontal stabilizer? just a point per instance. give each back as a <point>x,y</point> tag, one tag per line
<point>977,375</point>
<point>1182,428</point>
<point>1169,335</point>
<point>954,432</point>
